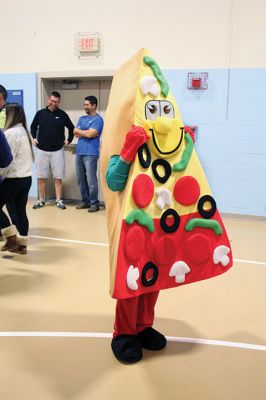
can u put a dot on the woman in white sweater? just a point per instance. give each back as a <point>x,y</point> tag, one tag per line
<point>17,182</point>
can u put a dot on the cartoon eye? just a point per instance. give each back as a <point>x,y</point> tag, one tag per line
<point>167,109</point>
<point>152,109</point>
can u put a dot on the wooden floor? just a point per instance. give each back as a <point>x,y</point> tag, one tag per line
<point>57,318</point>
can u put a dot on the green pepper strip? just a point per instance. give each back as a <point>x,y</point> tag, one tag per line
<point>182,164</point>
<point>142,218</point>
<point>158,74</point>
<point>204,223</point>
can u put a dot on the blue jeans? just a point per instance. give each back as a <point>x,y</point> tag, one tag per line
<point>86,170</point>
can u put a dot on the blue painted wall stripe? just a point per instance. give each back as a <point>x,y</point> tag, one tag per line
<point>231,141</point>
<point>28,83</point>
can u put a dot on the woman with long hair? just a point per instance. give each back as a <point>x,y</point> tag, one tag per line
<point>16,185</point>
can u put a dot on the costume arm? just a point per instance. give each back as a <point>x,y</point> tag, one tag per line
<point>119,166</point>
<point>117,174</point>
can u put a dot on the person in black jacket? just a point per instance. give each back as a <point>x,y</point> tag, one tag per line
<point>48,133</point>
<point>5,152</point>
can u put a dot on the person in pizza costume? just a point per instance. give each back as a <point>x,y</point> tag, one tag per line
<point>163,224</point>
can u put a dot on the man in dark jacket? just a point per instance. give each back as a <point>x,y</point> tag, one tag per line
<point>48,132</point>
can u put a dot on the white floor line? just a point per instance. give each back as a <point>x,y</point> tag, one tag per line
<point>217,343</point>
<point>107,245</point>
<point>104,335</point>
<point>70,241</point>
<point>249,261</point>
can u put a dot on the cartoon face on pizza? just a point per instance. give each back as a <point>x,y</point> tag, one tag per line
<point>171,232</point>
<point>165,131</point>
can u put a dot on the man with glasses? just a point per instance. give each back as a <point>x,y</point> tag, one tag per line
<point>48,133</point>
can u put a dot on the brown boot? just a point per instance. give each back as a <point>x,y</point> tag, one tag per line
<point>10,235</point>
<point>21,247</point>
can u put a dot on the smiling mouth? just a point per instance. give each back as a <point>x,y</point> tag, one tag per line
<point>166,152</point>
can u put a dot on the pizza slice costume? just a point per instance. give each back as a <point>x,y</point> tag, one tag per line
<point>163,224</point>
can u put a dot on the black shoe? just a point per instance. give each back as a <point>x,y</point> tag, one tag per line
<point>127,349</point>
<point>93,208</point>
<point>82,205</point>
<point>151,339</point>
<point>39,204</point>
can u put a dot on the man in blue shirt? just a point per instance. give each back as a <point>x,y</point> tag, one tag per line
<point>88,131</point>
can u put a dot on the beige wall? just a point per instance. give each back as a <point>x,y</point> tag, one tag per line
<point>39,36</point>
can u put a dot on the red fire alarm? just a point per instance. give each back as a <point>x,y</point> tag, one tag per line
<point>197,81</point>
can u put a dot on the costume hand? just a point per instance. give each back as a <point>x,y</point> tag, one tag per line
<point>135,138</point>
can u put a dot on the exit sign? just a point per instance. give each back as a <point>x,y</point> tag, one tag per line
<point>88,44</point>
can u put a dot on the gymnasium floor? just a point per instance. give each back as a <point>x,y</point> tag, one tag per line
<point>57,318</point>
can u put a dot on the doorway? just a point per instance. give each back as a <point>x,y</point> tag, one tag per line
<point>73,90</point>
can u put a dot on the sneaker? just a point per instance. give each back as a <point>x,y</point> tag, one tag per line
<point>39,204</point>
<point>60,204</point>
<point>82,205</point>
<point>93,208</point>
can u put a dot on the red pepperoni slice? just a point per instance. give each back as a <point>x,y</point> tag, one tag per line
<point>142,190</point>
<point>187,190</point>
<point>134,243</point>
<point>198,249</point>
<point>165,251</point>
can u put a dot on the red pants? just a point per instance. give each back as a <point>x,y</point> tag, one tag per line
<point>135,314</point>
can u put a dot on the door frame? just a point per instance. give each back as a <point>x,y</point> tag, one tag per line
<point>45,77</point>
